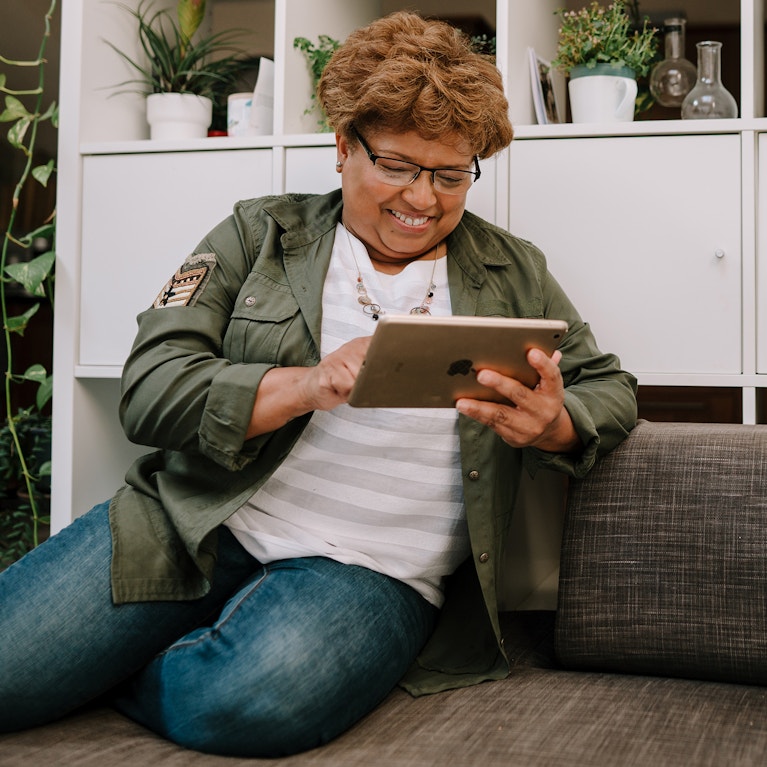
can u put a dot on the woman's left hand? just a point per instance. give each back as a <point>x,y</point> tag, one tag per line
<point>537,417</point>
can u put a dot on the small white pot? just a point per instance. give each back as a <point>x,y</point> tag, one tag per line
<point>178,115</point>
<point>603,94</point>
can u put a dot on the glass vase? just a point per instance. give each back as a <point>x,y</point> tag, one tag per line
<point>709,98</point>
<point>674,77</point>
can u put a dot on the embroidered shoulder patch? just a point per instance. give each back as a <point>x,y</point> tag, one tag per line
<point>187,284</point>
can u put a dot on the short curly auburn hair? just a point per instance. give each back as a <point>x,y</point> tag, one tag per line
<point>403,72</point>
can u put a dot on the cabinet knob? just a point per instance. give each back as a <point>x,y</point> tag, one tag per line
<point>719,253</point>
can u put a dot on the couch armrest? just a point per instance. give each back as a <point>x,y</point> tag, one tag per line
<point>664,556</point>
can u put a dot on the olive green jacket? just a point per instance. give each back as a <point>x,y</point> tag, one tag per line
<point>189,385</point>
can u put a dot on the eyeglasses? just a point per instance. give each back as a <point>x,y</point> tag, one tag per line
<point>400,173</point>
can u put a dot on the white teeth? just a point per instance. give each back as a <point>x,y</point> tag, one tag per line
<point>410,221</point>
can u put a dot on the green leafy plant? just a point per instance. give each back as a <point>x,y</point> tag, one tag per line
<point>173,61</point>
<point>317,57</point>
<point>21,529</point>
<point>484,44</point>
<point>18,468</point>
<point>605,35</point>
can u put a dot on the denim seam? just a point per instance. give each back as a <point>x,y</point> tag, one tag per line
<point>216,627</point>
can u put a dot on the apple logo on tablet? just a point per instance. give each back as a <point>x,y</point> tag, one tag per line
<point>460,367</point>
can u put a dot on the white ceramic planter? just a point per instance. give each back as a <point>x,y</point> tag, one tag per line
<point>178,115</point>
<point>602,94</point>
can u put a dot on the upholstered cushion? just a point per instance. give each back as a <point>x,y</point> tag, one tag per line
<point>538,717</point>
<point>535,718</point>
<point>664,558</point>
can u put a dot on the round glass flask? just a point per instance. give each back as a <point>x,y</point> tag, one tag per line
<point>674,77</point>
<point>709,98</point>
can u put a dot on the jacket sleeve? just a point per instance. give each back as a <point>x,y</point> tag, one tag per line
<point>599,395</point>
<point>179,391</point>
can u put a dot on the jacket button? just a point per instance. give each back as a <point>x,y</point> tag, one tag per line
<point>250,300</point>
<point>473,475</point>
<point>483,557</point>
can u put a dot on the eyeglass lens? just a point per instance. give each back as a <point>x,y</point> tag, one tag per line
<point>402,173</point>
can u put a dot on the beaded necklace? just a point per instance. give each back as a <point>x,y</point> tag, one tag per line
<point>373,309</point>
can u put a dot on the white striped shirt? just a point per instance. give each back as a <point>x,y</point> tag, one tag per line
<point>376,487</point>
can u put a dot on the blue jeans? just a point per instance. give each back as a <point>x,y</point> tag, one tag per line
<point>276,659</point>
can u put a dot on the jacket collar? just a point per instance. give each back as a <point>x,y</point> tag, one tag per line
<point>308,223</point>
<point>305,218</point>
<point>473,250</point>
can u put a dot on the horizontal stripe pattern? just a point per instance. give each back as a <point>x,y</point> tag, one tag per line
<point>378,487</point>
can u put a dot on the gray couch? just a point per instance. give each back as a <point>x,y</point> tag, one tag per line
<point>656,654</point>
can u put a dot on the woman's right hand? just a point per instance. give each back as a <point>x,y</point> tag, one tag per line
<point>329,384</point>
<point>286,393</point>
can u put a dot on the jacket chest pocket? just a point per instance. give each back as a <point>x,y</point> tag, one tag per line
<point>266,325</point>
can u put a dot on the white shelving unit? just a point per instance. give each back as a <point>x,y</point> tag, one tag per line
<point>658,222</point>
<point>651,226</point>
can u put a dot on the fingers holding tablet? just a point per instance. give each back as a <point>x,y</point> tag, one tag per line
<point>533,417</point>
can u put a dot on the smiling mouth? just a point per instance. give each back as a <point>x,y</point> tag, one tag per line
<point>410,220</point>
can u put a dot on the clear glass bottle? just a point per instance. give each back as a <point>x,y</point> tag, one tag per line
<point>674,77</point>
<point>709,98</point>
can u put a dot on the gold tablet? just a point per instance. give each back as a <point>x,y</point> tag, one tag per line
<point>425,361</point>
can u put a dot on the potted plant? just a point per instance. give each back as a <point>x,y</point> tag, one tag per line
<point>604,53</point>
<point>317,57</point>
<point>26,268</point>
<point>181,74</point>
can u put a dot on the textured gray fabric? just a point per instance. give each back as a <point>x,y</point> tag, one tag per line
<point>538,717</point>
<point>535,719</point>
<point>664,557</point>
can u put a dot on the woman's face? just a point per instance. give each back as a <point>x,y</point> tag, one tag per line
<point>400,224</point>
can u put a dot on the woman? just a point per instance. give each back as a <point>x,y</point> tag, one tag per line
<point>283,560</point>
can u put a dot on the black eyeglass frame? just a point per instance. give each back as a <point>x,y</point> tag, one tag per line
<point>421,168</point>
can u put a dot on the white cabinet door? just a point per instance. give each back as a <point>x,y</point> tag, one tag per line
<point>311,169</point>
<point>761,256</point>
<point>643,233</point>
<point>142,215</point>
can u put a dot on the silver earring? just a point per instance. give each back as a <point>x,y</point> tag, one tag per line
<point>339,165</point>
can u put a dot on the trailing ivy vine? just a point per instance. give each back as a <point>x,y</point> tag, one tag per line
<point>35,276</point>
